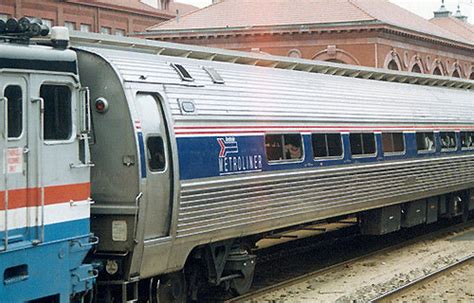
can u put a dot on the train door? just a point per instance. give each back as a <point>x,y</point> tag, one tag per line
<point>53,137</point>
<point>16,204</point>
<point>158,170</point>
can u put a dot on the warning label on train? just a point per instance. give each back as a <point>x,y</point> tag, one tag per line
<point>15,160</point>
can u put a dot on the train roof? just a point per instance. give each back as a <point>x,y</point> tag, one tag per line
<point>276,62</point>
<point>255,93</point>
<point>37,57</point>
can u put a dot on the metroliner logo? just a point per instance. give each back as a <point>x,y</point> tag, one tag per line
<point>228,146</point>
<point>231,161</point>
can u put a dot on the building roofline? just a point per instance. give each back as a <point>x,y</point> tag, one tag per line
<point>301,28</point>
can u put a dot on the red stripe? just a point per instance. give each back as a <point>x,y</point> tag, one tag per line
<point>23,197</point>
<point>325,126</point>
<point>206,130</point>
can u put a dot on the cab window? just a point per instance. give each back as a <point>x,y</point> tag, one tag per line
<point>57,112</point>
<point>15,110</point>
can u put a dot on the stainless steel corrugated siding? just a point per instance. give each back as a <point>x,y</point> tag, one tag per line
<point>218,204</point>
<point>266,96</point>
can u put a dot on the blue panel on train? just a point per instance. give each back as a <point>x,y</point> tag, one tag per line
<point>202,157</point>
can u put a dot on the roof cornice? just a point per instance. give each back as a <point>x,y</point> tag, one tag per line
<point>372,25</point>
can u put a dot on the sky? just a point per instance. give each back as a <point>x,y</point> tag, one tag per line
<point>423,8</point>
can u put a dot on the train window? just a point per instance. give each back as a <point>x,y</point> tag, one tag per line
<point>362,144</point>
<point>15,110</point>
<point>393,143</point>
<point>326,145</point>
<point>448,140</point>
<point>467,140</point>
<point>57,112</point>
<point>156,153</point>
<point>284,147</point>
<point>425,142</point>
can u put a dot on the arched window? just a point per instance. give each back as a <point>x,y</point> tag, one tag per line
<point>472,76</point>
<point>392,65</point>
<point>416,69</point>
<point>437,71</point>
<point>456,74</point>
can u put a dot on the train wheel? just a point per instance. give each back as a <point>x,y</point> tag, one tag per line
<point>170,288</point>
<point>242,285</point>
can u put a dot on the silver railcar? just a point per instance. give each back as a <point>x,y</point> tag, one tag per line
<point>196,159</point>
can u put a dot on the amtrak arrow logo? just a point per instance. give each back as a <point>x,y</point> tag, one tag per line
<point>228,146</point>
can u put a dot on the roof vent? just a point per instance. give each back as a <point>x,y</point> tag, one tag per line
<point>182,72</point>
<point>216,78</point>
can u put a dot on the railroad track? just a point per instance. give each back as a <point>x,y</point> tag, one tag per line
<point>341,265</point>
<point>399,291</point>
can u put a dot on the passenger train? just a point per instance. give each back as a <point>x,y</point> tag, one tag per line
<point>190,155</point>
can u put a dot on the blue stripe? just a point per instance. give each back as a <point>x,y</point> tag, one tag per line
<point>199,156</point>
<point>51,268</point>
<point>142,154</point>
<point>22,237</point>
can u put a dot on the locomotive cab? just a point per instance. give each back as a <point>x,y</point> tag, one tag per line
<point>44,188</point>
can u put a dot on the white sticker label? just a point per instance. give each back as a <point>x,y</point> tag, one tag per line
<point>15,160</point>
<point>119,231</point>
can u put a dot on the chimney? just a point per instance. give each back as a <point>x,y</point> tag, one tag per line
<point>459,15</point>
<point>442,12</point>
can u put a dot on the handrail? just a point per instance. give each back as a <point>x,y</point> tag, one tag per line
<point>5,167</point>
<point>40,168</point>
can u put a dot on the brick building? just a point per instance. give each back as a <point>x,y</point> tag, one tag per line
<point>118,17</point>
<point>374,33</point>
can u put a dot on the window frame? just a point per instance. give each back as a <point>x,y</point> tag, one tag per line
<point>358,156</point>
<point>70,25</point>
<point>445,150</point>
<point>85,25</point>
<point>426,151</point>
<point>105,28</point>
<point>460,141</point>
<point>165,147</point>
<point>284,161</point>
<point>119,32</point>
<point>23,87</point>
<point>389,154</point>
<point>328,158</point>
<point>74,112</point>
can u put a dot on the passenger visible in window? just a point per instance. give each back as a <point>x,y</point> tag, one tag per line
<point>293,147</point>
<point>283,147</point>
<point>429,144</point>
<point>466,140</point>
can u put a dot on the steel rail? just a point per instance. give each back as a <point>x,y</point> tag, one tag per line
<point>412,285</point>
<point>265,290</point>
